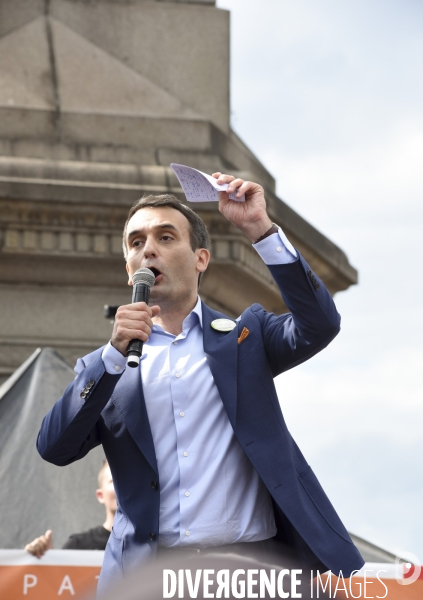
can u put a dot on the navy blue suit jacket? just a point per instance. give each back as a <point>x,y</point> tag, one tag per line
<point>112,412</point>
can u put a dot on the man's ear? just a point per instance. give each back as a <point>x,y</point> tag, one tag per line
<point>203,259</point>
<point>100,496</point>
<point>129,277</point>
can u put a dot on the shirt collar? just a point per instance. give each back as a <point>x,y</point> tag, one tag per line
<point>196,315</point>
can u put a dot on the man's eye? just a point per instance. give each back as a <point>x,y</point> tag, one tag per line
<point>136,243</point>
<point>167,238</point>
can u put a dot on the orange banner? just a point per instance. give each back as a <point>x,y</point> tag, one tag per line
<point>74,574</point>
<point>59,574</point>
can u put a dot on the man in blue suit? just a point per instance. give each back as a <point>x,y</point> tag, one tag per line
<point>195,438</point>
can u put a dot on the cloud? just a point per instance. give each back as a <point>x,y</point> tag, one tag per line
<point>379,175</point>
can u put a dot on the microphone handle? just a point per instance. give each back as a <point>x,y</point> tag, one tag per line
<point>141,293</point>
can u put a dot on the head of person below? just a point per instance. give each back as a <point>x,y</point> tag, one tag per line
<point>92,539</point>
<point>199,450</point>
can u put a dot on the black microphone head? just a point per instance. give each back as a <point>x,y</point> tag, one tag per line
<point>144,275</point>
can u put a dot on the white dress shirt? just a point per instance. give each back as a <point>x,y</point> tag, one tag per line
<point>210,494</point>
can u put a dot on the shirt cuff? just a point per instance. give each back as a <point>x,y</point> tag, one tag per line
<point>114,361</point>
<point>276,249</point>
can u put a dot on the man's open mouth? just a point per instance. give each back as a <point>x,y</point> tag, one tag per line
<point>155,271</point>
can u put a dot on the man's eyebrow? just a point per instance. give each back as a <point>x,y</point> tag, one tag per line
<point>161,226</point>
<point>167,226</point>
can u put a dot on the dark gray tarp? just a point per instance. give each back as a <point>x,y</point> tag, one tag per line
<point>35,495</point>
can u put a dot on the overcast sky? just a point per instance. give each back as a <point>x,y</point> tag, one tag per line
<point>329,95</point>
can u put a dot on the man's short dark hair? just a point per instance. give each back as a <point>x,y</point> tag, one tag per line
<point>198,234</point>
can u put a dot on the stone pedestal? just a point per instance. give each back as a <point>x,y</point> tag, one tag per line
<point>96,99</point>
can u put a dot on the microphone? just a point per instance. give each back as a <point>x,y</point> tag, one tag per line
<point>142,281</point>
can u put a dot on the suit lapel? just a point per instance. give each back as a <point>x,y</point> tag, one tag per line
<point>222,354</point>
<point>129,399</point>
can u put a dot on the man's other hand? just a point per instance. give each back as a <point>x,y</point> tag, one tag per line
<point>132,322</point>
<point>249,216</point>
<point>41,544</point>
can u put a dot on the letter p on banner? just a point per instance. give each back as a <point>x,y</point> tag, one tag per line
<point>29,581</point>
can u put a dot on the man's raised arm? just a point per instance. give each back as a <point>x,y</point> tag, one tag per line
<point>313,320</point>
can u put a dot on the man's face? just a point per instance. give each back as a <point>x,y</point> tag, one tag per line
<point>106,492</point>
<point>159,239</point>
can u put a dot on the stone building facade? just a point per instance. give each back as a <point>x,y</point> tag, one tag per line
<point>97,97</point>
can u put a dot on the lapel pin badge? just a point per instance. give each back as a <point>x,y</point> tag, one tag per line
<point>223,325</point>
<point>244,333</point>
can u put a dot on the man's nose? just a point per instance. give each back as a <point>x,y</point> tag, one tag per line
<point>150,247</point>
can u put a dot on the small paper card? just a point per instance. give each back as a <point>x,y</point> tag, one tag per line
<point>200,187</point>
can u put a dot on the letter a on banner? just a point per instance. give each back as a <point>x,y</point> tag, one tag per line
<point>66,585</point>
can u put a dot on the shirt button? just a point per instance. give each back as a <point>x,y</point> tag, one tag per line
<point>117,368</point>
<point>187,533</point>
<point>185,453</point>
<point>177,374</point>
<point>279,249</point>
<point>175,343</point>
<point>187,494</point>
<point>182,414</point>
